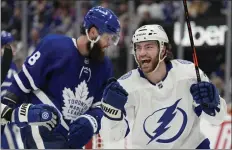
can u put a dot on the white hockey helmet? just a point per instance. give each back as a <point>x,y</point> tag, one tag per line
<point>152,32</point>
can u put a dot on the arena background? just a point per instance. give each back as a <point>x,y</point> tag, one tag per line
<point>30,21</point>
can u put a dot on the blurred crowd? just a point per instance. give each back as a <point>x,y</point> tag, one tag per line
<point>59,16</point>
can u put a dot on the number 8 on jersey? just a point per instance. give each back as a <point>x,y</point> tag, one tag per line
<point>34,58</point>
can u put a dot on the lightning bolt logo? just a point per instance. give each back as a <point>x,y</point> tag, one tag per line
<point>164,121</point>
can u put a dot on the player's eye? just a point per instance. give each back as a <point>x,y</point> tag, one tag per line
<point>149,47</point>
<point>138,48</point>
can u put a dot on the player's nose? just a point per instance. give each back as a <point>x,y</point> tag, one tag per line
<point>142,52</point>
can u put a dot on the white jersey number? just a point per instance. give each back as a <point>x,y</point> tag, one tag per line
<point>34,58</point>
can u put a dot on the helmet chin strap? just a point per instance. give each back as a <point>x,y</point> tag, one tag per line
<point>92,41</point>
<point>160,60</point>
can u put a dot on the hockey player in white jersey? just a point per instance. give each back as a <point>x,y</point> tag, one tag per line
<point>163,96</point>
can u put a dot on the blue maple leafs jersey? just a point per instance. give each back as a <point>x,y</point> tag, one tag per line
<point>9,77</point>
<point>58,75</point>
<point>5,85</point>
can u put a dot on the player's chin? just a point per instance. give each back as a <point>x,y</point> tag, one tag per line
<point>146,68</point>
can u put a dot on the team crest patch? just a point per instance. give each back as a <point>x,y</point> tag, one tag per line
<point>184,61</point>
<point>162,124</point>
<point>125,76</point>
<point>76,102</point>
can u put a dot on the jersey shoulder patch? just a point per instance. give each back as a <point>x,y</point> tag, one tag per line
<point>184,61</point>
<point>125,76</point>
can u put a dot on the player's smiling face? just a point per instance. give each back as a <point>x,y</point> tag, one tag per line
<point>147,55</point>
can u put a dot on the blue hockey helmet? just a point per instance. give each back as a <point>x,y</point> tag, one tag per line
<point>104,20</point>
<point>6,38</point>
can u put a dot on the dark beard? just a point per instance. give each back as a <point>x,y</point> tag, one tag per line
<point>155,63</point>
<point>96,53</point>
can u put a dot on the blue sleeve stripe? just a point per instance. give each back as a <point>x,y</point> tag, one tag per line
<point>128,128</point>
<point>29,77</point>
<point>20,84</point>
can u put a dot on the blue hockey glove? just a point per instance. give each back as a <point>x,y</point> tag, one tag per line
<point>97,114</point>
<point>40,114</point>
<point>114,100</point>
<point>206,94</point>
<point>81,131</point>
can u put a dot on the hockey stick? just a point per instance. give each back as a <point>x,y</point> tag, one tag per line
<point>6,62</point>
<point>191,41</point>
<point>192,46</point>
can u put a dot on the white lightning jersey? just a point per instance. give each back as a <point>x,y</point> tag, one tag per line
<point>163,115</point>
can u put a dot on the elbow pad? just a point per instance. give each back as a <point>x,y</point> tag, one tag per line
<point>10,99</point>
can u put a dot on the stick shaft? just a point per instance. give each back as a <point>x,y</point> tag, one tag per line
<point>191,41</point>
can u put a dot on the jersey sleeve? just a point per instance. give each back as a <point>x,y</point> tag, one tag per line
<point>113,131</point>
<point>106,73</point>
<point>10,76</point>
<point>117,130</point>
<point>37,67</point>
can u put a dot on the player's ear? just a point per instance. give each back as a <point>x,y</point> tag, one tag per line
<point>93,33</point>
<point>164,51</point>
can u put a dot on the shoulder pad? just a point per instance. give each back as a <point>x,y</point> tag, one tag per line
<point>186,70</point>
<point>184,61</point>
<point>131,81</point>
<point>125,76</point>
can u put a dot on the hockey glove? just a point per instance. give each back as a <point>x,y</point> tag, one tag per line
<point>114,100</point>
<point>40,114</point>
<point>206,94</point>
<point>81,131</point>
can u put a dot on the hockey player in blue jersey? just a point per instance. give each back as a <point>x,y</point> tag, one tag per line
<point>7,38</point>
<point>7,130</point>
<point>10,117</point>
<point>68,74</point>
<point>160,102</point>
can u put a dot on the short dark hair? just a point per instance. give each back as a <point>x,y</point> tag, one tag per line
<point>169,53</point>
<point>82,31</point>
